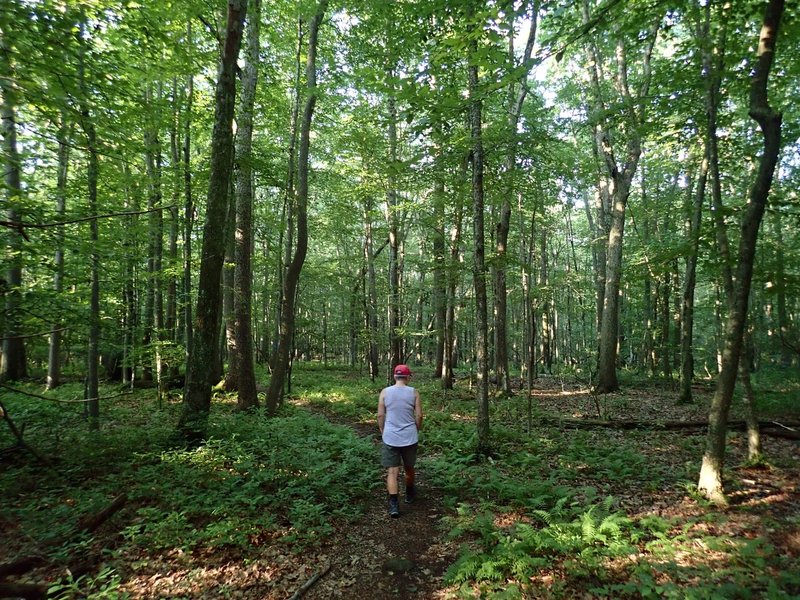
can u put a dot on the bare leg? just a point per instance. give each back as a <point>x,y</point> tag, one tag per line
<point>391,480</point>
<point>409,477</point>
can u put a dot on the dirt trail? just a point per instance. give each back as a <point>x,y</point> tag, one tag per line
<point>381,557</point>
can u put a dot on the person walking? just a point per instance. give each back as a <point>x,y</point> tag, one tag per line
<point>399,419</point>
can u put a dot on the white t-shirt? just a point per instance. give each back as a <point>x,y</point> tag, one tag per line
<point>400,426</point>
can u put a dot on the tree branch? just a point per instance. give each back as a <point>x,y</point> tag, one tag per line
<point>22,224</point>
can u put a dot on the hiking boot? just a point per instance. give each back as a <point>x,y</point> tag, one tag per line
<point>411,493</point>
<point>394,508</point>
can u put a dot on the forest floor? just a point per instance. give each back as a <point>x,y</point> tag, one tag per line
<point>739,551</point>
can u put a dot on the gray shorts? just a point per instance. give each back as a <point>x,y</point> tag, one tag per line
<point>392,456</point>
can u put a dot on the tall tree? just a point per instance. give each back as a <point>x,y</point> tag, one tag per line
<point>54,352</point>
<point>769,120</point>
<point>13,365</point>
<point>197,393</point>
<point>479,244</point>
<point>287,327</point>
<point>243,274</point>
<point>188,203</point>
<point>517,92</point>
<point>92,174</point>
<point>617,180</point>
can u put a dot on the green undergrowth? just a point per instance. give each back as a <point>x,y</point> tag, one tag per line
<point>552,513</point>
<point>549,513</point>
<point>255,480</point>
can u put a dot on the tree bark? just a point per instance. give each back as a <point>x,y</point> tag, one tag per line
<point>282,356</point>
<point>197,394</point>
<point>769,120</point>
<point>453,277</point>
<point>518,91</point>
<point>92,172</point>
<point>439,274</point>
<point>54,350</point>
<point>154,310</point>
<point>13,365</point>
<point>228,348</point>
<point>188,206</point>
<point>242,299</point>
<point>371,294</point>
<point>395,338</point>
<point>689,284</point>
<point>479,263</point>
<point>713,81</point>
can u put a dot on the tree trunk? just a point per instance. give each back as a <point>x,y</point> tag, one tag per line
<point>439,275</point>
<point>93,354</point>
<point>171,316</point>
<point>516,99</point>
<point>479,264</point>
<point>282,356</point>
<point>618,179</point>
<point>713,82</point>
<point>229,349</point>
<point>154,312</point>
<point>54,352</point>
<point>395,339</point>
<point>188,207</point>
<point>197,394</point>
<point>689,283</point>
<point>371,299</point>
<point>710,482</point>
<point>13,365</point>
<point>242,299</point>
<point>453,278</point>
<point>286,238</point>
<point>129,288</point>
<point>780,276</point>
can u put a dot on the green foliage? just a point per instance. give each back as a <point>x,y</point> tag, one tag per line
<point>522,549</point>
<point>103,586</point>
<point>256,479</point>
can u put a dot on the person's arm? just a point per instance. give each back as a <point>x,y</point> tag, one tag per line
<point>381,412</point>
<point>417,410</point>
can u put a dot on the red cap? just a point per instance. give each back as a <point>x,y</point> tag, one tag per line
<point>402,371</point>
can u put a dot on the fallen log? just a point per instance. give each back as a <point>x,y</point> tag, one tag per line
<point>29,591</point>
<point>85,525</point>
<point>90,523</point>
<point>773,428</point>
<point>22,565</point>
